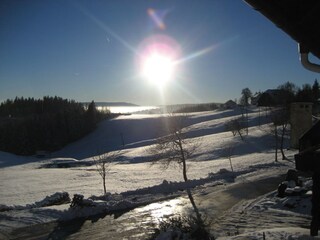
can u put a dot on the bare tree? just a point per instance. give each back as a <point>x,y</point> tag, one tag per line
<point>244,100</point>
<point>276,137</point>
<point>280,120</point>
<point>246,94</point>
<point>103,163</point>
<point>236,126</point>
<point>284,124</point>
<point>174,147</point>
<point>228,152</point>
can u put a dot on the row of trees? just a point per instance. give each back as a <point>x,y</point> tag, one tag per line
<point>280,99</point>
<point>284,94</point>
<point>289,92</point>
<point>307,93</point>
<point>28,124</point>
<point>280,116</point>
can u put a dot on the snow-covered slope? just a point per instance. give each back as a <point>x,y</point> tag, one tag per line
<point>24,181</point>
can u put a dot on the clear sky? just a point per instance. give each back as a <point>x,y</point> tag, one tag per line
<point>91,50</point>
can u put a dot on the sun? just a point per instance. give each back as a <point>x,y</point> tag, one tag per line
<point>158,68</point>
<point>157,59</point>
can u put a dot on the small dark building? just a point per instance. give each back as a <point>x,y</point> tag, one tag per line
<point>311,138</point>
<point>230,104</point>
<point>301,122</point>
<point>308,160</point>
<point>273,97</point>
<point>255,98</point>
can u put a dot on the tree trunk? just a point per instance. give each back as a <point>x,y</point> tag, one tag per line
<point>195,208</point>
<point>184,169</point>
<point>239,131</point>
<point>247,120</point>
<point>276,138</point>
<point>282,141</point>
<point>184,165</point>
<point>104,186</point>
<point>231,164</point>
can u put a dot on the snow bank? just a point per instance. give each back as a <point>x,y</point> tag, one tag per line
<point>57,198</point>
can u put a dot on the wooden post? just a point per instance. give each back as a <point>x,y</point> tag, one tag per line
<point>315,211</point>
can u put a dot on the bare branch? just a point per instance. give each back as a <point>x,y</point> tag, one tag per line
<point>236,126</point>
<point>174,147</point>
<point>103,163</point>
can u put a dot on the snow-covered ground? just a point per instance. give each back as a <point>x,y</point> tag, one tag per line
<point>27,180</point>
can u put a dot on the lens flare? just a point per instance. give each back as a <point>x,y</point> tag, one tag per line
<point>157,59</point>
<point>156,18</point>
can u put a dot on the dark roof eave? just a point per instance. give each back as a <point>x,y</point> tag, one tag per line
<point>300,19</point>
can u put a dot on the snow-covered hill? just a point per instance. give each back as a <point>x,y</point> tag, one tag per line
<point>23,180</point>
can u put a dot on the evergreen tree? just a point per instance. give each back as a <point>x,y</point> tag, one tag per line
<point>305,94</point>
<point>316,90</point>
<point>48,124</point>
<point>91,116</point>
<point>289,87</point>
<point>289,91</point>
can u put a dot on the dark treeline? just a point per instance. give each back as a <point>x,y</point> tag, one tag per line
<point>289,92</point>
<point>197,108</point>
<point>28,124</point>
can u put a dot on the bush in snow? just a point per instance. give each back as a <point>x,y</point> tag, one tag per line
<point>182,228</point>
<point>4,208</point>
<point>57,198</point>
<point>78,201</point>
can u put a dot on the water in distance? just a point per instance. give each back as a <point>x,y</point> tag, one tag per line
<point>126,109</point>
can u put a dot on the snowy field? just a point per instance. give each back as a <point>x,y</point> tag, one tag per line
<point>26,180</point>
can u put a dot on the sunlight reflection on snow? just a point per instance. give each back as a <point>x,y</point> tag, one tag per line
<point>161,210</point>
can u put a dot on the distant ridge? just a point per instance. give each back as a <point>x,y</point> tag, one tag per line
<point>113,104</point>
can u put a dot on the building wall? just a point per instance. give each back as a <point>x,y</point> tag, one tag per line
<point>300,120</point>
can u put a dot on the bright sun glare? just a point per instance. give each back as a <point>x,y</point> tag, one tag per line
<point>158,68</point>
<point>158,55</point>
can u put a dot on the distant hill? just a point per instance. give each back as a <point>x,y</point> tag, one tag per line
<point>113,104</point>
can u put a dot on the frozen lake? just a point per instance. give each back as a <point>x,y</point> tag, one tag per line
<point>126,109</point>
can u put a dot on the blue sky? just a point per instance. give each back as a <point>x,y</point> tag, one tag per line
<point>88,50</point>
